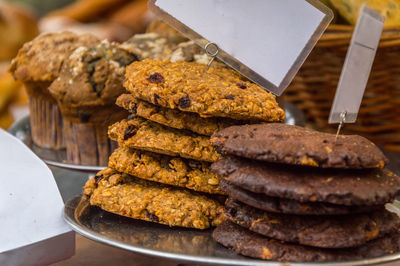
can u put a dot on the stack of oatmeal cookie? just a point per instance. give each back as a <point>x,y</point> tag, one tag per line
<point>161,170</point>
<point>299,195</point>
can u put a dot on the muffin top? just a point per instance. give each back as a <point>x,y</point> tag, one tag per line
<point>41,59</point>
<point>150,45</point>
<point>92,76</point>
<point>154,46</point>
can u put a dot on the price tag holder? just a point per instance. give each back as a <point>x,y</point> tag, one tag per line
<point>357,67</point>
<point>266,41</point>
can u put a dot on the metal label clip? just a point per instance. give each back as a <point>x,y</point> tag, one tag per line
<point>212,50</point>
<point>342,121</point>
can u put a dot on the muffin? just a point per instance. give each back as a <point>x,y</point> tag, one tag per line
<point>90,81</point>
<point>37,65</point>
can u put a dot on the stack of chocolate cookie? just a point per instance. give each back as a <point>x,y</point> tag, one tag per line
<point>175,108</point>
<point>299,195</point>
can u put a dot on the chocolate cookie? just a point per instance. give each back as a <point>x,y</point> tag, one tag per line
<point>174,118</point>
<point>344,187</point>
<point>140,199</point>
<point>141,134</point>
<point>342,231</point>
<point>280,143</point>
<point>279,205</point>
<point>164,169</point>
<point>191,87</point>
<point>250,244</point>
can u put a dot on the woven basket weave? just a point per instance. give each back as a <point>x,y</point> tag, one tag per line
<point>314,87</point>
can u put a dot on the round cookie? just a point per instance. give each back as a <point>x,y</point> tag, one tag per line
<point>150,201</point>
<point>303,184</point>
<point>141,134</point>
<point>342,231</point>
<point>174,118</point>
<point>191,87</point>
<point>279,205</point>
<point>174,171</point>
<point>280,143</point>
<point>250,244</point>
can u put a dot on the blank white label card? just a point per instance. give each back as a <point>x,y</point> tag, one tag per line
<point>265,40</point>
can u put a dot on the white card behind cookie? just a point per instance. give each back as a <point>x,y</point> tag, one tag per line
<point>30,205</point>
<point>267,41</point>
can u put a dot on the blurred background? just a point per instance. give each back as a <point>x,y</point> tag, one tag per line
<point>312,91</point>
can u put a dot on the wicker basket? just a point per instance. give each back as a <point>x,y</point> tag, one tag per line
<point>314,87</point>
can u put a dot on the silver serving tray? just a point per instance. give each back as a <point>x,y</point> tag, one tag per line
<point>186,245</point>
<point>22,130</point>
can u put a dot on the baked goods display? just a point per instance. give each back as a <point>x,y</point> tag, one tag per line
<point>37,65</point>
<point>165,141</point>
<point>196,147</point>
<point>298,195</point>
<point>89,82</point>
